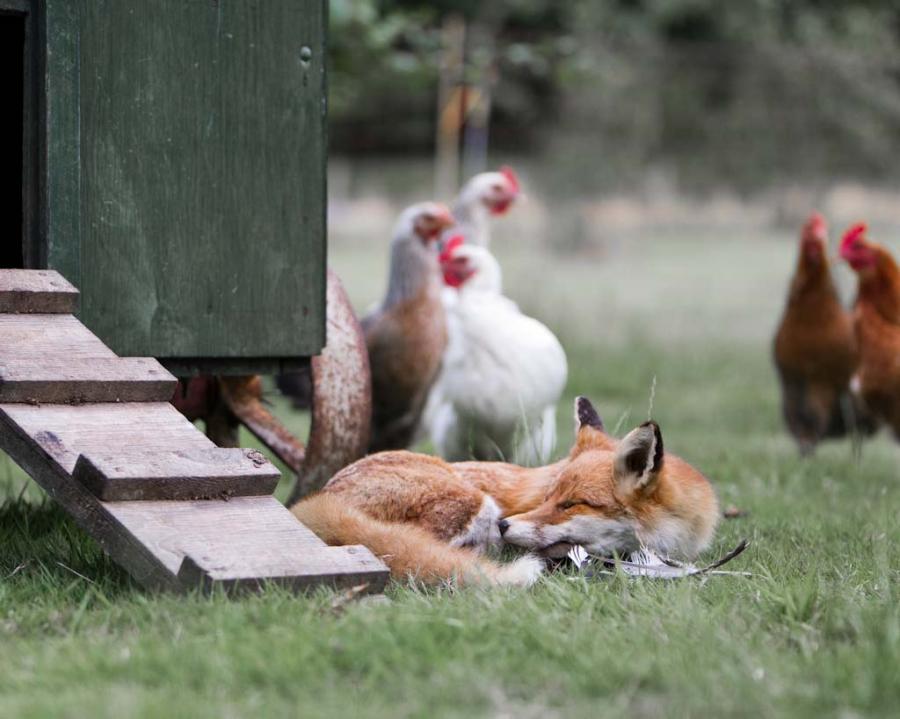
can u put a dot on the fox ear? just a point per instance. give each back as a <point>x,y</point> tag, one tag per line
<point>589,430</point>
<point>639,457</point>
<point>586,415</point>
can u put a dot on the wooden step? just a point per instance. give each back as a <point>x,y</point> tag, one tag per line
<point>36,291</point>
<point>341,567</point>
<point>56,381</point>
<point>240,543</point>
<point>243,543</point>
<point>56,359</point>
<point>35,337</point>
<point>134,474</point>
<point>97,433</point>
<point>63,433</point>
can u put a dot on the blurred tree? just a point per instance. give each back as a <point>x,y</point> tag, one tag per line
<point>703,88</point>
<point>384,64</point>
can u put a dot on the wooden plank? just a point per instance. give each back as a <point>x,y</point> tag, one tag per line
<point>129,474</point>
<point>210,529</point>
<point>64,432</point>
<point>52,358</point>
<point>203,228</point>
<point>246,365</point>
<point>332,566</point>
<point>87,511</point>
<point>36,291</point>
<point>37,337</point>
<point>227,541</point>
<point>241,542</point>
<point>58,144</point>
<point>78,381</point>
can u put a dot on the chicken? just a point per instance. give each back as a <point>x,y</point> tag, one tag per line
<point>503,372</point>
<point>484,195</point>
<point>815,348</point>
<point>406,333</point>
<point>876,320</point>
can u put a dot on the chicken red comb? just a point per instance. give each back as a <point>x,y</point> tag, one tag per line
<point>816,223</point>
<point>511,176</point>
<point>852,235</point>
<point>450,246</point>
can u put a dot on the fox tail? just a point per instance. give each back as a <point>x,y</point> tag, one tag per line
<point>409,551</point>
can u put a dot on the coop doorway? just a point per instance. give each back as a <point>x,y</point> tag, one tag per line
<point>12,135</point>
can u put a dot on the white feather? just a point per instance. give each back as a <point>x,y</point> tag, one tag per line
<point>502,375</point>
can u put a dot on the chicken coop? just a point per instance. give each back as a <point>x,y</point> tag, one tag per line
<point>167,158</point>
<point>174,170</point>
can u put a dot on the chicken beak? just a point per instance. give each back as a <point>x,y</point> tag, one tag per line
<point>444,218</point>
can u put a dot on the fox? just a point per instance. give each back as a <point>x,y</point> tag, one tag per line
<point>433,521</point>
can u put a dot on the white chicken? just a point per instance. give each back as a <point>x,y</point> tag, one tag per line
<point>485,195</point>
<point>503,372</point>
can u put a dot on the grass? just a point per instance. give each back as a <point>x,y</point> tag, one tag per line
<point>815,631</point>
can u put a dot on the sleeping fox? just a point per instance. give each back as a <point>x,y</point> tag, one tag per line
<point>432,520</point>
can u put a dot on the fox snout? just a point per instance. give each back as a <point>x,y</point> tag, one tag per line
<point>599,535</point>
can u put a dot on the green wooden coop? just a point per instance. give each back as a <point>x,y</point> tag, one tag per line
<point>168,159</point>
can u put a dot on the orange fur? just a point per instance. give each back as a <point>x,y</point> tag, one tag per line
<point>409,551</point>
<point>587,485</point>
<point>408,508</point>
<point>514,488</point>
<point>437,500</point>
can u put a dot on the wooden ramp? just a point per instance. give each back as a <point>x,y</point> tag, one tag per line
<point>97,432</point>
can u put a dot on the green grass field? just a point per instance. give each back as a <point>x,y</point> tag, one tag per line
<point>815,631</point>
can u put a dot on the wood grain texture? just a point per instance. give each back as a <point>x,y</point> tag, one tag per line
<point>203,151</point>
<point>59,140</point>
<point>56,359</point>
<point>65,432</point>
<point>235,543</point>
<point>58,381</point>
<point>38,336</point>
<point>135,475</point>
<point>243,541</point>
<point>209,528</point>
<point>46,461</point>
<point>36,291</point>
<point>340,567</point>
<point>224,367</point>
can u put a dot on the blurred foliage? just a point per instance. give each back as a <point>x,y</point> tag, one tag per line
<point>700,88</point>
<point>385,57</point>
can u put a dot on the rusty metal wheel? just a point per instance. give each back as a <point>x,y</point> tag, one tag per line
<point>341,403</point>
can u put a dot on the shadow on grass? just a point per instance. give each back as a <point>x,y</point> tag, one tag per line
<point>43,547</point>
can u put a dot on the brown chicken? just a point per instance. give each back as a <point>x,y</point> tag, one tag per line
<point>877,324</point>
<point>407,334</point>
<point>815,348</point>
